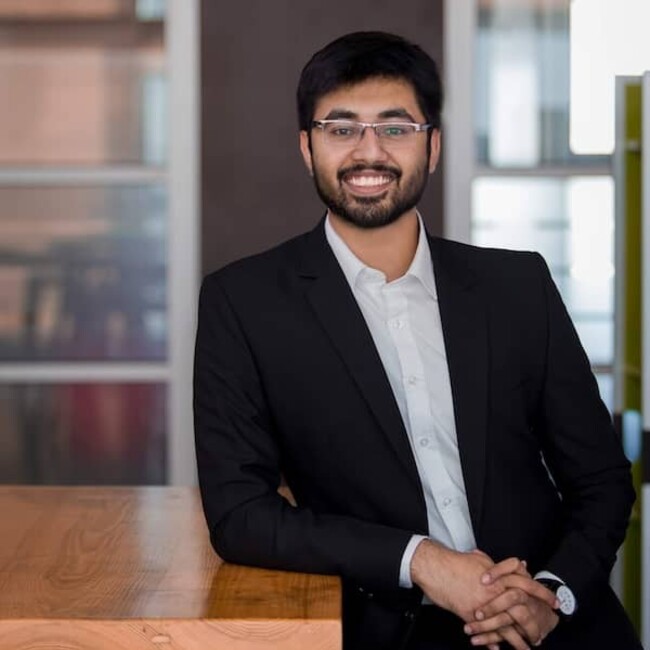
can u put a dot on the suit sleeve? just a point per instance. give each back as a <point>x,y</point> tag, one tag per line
<point>239,462</point>
<point>583,454</point>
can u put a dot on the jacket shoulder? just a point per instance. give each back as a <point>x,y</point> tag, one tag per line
<point>491,264</point>
<point>483,255</point>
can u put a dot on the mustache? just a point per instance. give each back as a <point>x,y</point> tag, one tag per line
<point>377,167</point>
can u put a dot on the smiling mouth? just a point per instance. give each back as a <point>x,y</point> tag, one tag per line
<point>368,181</point>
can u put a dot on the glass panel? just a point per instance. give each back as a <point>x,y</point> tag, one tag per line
<point>81,105</point>
<point>504,199</point>
<point>550,243</point>
<point>587,297</point>
<point>94,434</point>
<point>623,26</point>
<point>522,84</point>
<point>606,385</point>
<point>570,222</point>
<point>83,273</point>
<point>597,337</point>
<point>151,9</point>
<point>590,211</point>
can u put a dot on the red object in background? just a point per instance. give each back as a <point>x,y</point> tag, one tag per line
<point>110,421</point>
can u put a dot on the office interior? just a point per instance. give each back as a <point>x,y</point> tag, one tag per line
<point>144,143</point>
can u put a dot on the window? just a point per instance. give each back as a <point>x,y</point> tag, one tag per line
<point>97,257</point>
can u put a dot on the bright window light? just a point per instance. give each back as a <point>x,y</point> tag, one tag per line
<point>590,205</point>
<point>150,9</point>
<point>608,38</point>
<point>509,146</point>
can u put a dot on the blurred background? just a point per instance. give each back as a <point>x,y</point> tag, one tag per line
<point>84,233</point>
<point>144,143</point>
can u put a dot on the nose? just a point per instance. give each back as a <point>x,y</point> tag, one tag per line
<point>369,148</point>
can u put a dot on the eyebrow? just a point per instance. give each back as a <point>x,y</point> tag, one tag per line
<point>397,112</point>
<point>390,113</point>
<point>341,114</point>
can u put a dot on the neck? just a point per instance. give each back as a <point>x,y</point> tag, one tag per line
<point>389,249</point>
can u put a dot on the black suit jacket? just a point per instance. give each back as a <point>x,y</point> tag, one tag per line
<point>288,382</point>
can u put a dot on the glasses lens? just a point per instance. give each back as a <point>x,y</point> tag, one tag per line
<point>342,132</point>
<point>395,132</point>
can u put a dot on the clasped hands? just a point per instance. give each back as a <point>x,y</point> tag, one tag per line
<point>498,602</point>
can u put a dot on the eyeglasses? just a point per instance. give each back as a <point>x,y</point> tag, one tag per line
<point>349,132</point>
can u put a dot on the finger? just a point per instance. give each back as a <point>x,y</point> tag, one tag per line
<point>527,622</point>
<point>545,619</point>
<point>503,568</point>
<point>488,625</point>
<point>487,638</point>
<point>514,638</point>
<point>522,634</point>
<point>531,587</point>
<point>508,634</point>
<point>523,569</point>
<point>502,603</point>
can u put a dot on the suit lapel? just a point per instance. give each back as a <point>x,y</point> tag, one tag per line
<point>464,325</point>
<point>335,307</point>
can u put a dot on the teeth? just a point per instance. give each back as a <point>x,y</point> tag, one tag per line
<point>368,181</point>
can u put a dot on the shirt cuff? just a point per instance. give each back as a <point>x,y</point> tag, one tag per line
<point>405,567</point>
<point>547,575</point>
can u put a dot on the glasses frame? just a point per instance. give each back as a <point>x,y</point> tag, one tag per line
<point>321,124</point>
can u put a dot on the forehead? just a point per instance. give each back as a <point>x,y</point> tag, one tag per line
<point>367,100</point>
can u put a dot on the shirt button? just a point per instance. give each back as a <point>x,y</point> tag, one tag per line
<point>424,442</point>
<point>397,324</point>
<point>446,502</point>
<point>412,380</point>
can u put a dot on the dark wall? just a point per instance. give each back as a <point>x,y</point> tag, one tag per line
<point>255,189</point>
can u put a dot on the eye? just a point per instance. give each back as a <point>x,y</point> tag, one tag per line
<point>396,130</point>
<point>342,130</point>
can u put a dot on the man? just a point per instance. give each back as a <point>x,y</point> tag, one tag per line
<point>428,402</point>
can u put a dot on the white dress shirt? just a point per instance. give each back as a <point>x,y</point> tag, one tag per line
<point>404,320</point>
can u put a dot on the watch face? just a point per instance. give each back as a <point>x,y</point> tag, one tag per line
<point>567,600</point>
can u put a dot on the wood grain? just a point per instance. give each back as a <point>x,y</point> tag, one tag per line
<point>133,568</point>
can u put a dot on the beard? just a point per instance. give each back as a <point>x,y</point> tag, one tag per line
<point>373,211</point>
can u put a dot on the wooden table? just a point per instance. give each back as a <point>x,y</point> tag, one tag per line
<point>132,569</point>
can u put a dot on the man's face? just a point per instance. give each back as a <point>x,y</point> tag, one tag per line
<point>371,183</point>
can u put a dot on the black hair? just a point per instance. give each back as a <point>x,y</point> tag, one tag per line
<point>359,56</point>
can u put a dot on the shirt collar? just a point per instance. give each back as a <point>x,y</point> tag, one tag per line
<point>421,266</point>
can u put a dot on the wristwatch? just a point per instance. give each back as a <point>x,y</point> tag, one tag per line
<point>568,603</point>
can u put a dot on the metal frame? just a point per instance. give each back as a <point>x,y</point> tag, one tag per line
<point>619,241</point>
<point>114,175</point>
<point>59,372</point>
<point>458,134</point>
<point>546,171</point>
<point>618,172</point>
<point>645,378</point>
<point>183,48</point>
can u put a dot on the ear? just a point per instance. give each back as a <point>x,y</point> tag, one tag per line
<point>306,151</point>
<point>435,150</point>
